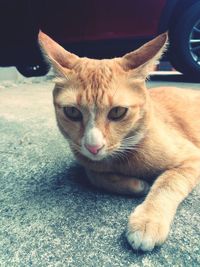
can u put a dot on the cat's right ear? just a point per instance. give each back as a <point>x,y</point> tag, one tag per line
<point>61,60</point>
<point>142,60</point>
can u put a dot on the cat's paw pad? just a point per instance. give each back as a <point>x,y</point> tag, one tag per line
<point>146,230</point>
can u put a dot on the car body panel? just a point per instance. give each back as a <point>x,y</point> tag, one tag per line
<point>75,21</point>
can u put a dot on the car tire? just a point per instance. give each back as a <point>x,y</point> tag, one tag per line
<point>33,70</point>
<point>180,36</point>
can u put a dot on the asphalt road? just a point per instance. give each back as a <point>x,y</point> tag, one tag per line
<point>50,215</point>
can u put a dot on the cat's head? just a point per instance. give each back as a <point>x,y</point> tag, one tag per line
<point>102,105</point>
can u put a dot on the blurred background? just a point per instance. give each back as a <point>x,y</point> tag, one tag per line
<point>99,29</point>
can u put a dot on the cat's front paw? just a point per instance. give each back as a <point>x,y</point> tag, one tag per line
<point>146,229</point>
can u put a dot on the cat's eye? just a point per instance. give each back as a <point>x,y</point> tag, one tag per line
<point>117,113</point>
<point>73,113</point>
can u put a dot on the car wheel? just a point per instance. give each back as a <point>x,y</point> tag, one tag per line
<point>184,51</point>
<point>34,70</point>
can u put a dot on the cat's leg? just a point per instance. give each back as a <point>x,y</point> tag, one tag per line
<point>149,224</point>
<point>118,183</point>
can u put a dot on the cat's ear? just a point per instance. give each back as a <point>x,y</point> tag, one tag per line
<point>61,60</point>
<point>142,60</point>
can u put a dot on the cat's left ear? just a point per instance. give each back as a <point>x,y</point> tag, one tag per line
<point>61,60</point>
<point>142,60</point>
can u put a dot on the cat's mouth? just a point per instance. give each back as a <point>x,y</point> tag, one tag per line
<point>111,152</point>
<point>115,151</point>
<point>95,154</point>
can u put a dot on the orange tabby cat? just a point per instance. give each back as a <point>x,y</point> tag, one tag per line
<point>127,136</point>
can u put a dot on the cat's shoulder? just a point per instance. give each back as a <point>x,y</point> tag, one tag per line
<point>173,92</point>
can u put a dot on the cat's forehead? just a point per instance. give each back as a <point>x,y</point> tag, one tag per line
<point>95,78</point>
<point>95,74</point>
<point>96,82</point>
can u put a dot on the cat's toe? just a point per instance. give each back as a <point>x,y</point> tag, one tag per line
<point>145,187</point>
<point>146,230</point>
<point>142,188</point>
<point>138,241</point>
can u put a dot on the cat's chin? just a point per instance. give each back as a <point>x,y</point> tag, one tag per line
<point>95,157</point>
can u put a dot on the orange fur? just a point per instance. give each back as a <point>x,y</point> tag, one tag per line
<point>164,122</point>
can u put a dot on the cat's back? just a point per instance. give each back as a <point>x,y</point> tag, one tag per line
<point>180,108</point>
<point>175,94</point>
<point>176,99</point>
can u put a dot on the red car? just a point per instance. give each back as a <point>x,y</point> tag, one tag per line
<point>99,29</point>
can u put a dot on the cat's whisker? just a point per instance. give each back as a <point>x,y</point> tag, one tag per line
<point>118,155</point>
<point>76,147</point>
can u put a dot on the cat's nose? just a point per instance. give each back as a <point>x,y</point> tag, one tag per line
<point>94,149</point>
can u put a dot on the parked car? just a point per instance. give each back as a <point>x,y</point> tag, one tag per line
<point>99,29</point>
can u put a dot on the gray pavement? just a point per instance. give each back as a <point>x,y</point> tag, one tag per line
<point>50,215</point>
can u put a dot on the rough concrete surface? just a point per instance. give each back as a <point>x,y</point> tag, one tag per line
<point>50,215</point>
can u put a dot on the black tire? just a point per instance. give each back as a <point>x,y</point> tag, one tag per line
<point>33,70</point>
<point>31,61</point>
<point>179,35</point>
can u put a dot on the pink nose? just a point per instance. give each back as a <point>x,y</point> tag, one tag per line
<point>93,149</point>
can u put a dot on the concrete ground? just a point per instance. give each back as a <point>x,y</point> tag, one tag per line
<point>49,213</point>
